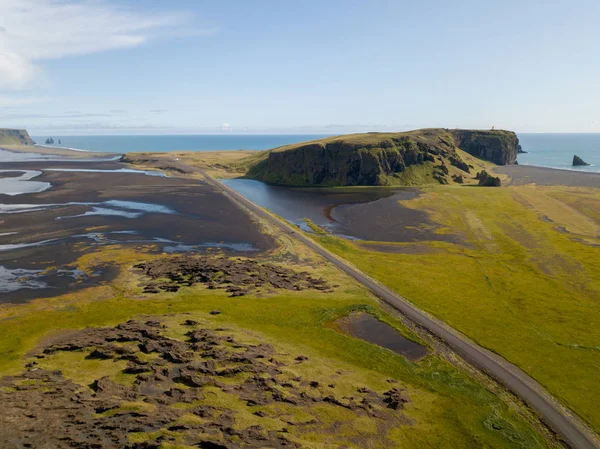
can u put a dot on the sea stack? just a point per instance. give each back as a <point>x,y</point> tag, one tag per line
<point>578,162</point>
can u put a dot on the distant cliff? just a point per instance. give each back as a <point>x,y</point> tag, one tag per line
<point>15,137</point>
<point>499,147</point>
<point>379,159</point>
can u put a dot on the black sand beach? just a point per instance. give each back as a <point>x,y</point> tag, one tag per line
<point>84,211</point>
<point>529,174</point>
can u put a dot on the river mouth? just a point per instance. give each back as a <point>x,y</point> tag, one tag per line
<point>105,204</point>
<point>355,213</point>
<point>296,204</point>
<point>368,328</point>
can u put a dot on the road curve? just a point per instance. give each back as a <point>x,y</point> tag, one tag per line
<point>571,429</point>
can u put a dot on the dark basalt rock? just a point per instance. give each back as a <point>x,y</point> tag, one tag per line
<point>520,150</point>
<point>578,162</point>
<point>487,180</point>
<point>499,147</point>
<point>396,398</point>
<point>43,409</point>
<point>236,276</point>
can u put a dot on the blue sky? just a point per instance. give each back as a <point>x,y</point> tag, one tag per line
<point>120,67</point>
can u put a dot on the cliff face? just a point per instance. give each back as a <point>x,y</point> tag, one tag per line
<point>15,137</point>
<point>382,158</point>
<point>499,147</point>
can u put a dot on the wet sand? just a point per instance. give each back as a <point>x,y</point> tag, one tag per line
<point>83,211</point>
<point>528,174</point>
<point>55,152</point>
<point>386,220</point>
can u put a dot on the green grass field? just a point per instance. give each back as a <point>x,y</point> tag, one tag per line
<point>448,409</point>
<point>524,283</point>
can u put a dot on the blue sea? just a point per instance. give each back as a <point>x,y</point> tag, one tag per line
<point>165,143</point>
<point>546,150</point>
<point>557,150</point>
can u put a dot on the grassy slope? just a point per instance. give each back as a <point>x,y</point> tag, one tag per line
<point>439,140</point>
<point>14,137</point>
<point>448,408</point>
<point>521,285</point>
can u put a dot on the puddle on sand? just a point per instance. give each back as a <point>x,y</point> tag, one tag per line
<point>20,285</point>
<point>181,248</point>
<point>367,327</point>
<point>133,237</point>
<point>18,278</point>
<point>18,185</point>
<point>127,209</point>
<point>116,170</point>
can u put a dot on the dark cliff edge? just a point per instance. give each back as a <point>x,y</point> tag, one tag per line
<point>499,147</point>
<point>15,137</point>
<point>383,159</point>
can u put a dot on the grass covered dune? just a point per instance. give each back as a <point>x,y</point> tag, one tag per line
<point>446,408</point>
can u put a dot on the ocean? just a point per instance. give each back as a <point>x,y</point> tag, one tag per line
<point>557,150</point>
<point>165,143</point>
<point>545,150</point>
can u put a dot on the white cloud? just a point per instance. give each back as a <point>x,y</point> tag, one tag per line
<point>15,72</point>
<point>34,30</point>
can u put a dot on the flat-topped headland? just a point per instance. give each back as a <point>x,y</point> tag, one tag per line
<point>15,137</point>
<point>438,156</point>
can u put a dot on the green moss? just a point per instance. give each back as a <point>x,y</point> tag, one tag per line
<point>444,400</point>
<point>518,285</point>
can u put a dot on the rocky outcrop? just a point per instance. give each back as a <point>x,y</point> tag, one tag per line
<point>209,387</point>
<point>487,180</point>
<point>15,137</point>
<point>237,276</point>
<point>520,150</point>
<point>376,159</point>
<point>578,162</point>
<point>499,147</point>
<point>49,141</point>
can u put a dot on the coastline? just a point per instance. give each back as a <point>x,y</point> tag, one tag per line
<point>520,174</point>
<point>583,169</point>
<point>46,150</point>
<point>546,176</point>
<point>39,145</point>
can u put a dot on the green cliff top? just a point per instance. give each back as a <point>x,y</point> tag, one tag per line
<point>424,156</point>
<point>15,137</point>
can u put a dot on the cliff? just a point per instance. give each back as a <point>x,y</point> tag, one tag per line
<point>499,147</point>
<point>378,159</point>
<point>15,137</point>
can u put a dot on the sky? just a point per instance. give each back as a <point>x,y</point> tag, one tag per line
<point>313,66</point>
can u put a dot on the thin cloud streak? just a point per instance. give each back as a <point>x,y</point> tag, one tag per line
<point>36,30</point>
